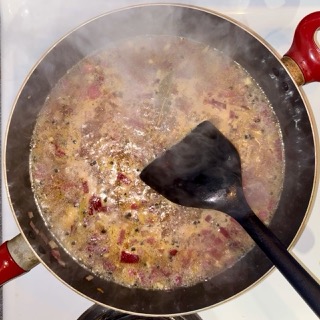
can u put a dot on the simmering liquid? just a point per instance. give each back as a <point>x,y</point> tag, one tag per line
<point>112,114</point>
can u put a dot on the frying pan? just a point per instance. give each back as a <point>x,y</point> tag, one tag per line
<point>225,35</point>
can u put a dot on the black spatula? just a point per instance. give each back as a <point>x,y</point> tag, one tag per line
<point>204,171</point>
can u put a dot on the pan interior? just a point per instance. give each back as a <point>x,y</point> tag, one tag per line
<point>85,170</point>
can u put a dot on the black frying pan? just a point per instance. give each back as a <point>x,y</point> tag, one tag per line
<point>216,31</point>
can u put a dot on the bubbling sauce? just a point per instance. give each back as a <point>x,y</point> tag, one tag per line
<point>112,114</point>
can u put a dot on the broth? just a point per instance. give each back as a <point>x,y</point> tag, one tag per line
<point>113,113</point>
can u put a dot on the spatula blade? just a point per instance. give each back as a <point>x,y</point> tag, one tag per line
<point>199,171</point>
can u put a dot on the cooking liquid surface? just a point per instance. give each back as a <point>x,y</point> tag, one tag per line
<point>113,113</point>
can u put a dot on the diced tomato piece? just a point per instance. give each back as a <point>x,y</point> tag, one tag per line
<point>85,187</point>
<point>166,272</point>
<point>121,237</point>
<point>215,103</point>
<point>123,178</point>
<point>224,232</point>
<point>215,253</point>
<point>235,244</point>
<point>218,241</point>
<point>91,248</point>
<point>206,232</point>
<point>109,266</point>
<point>150,240</point>
<point>232,115</point>
<point>177,280</point>
<point>95,205</point>
<point>128,257</point>
<point>173,252</point>
<point>93,91</point>
<point>58,151</point>
<point>134,206</point>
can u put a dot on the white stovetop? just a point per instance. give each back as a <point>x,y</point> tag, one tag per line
<point>29,27</point>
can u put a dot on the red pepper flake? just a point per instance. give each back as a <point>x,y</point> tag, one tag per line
<point>173,252</point>
<point>128,257</point>
<point>95,205</point>
<point>208,218</point>
<point>85,187</point>
<point>123,178</point>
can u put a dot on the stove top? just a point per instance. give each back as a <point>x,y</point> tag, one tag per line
<point>29,28</point>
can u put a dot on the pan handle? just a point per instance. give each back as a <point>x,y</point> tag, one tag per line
<point>16,258</point>
<point>303,58</point>
<point>307,286</point>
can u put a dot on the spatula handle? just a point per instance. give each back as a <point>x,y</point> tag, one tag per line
<point>299,278</point>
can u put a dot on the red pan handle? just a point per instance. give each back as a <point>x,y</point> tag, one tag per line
<point>304,50</point>
<point>16,258</point>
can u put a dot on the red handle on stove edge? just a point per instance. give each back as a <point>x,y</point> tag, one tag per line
<point>16,258</point>
<point>305,51</point>
<point>9,269</point>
